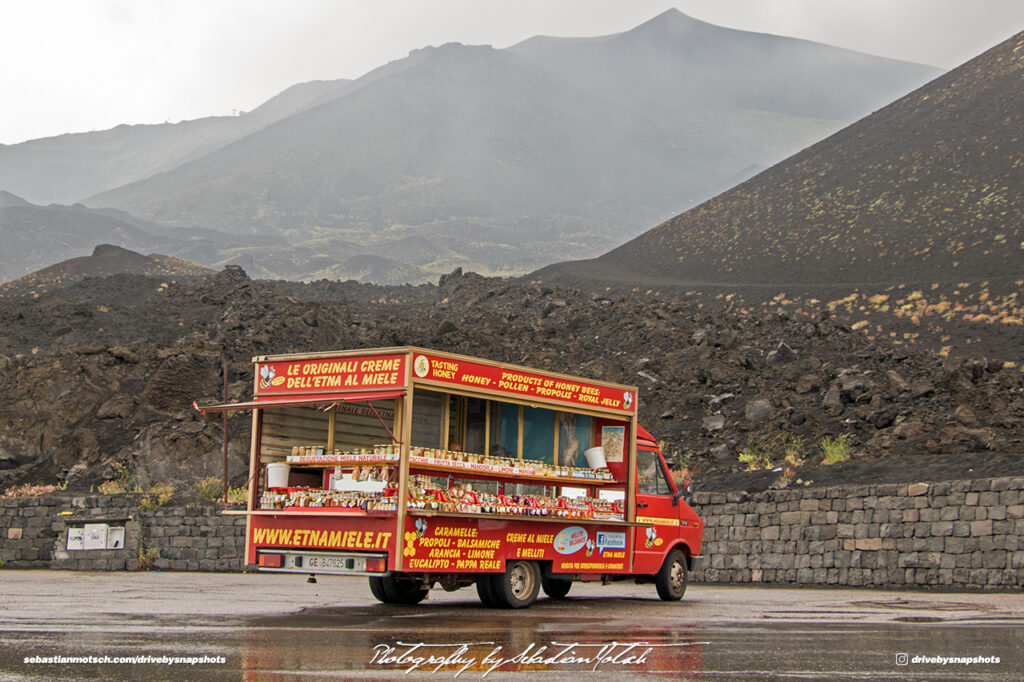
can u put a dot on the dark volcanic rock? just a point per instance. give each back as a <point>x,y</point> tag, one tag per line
<point>78,391</point>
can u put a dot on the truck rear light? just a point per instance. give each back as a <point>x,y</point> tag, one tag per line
<point>376,565</point>
<point>272,560</point>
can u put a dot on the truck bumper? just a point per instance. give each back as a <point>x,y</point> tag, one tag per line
<point>337,563</point>
<point>697,563</point>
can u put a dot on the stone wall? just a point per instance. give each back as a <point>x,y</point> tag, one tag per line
<point>960,534</point>
<point>34,534</point>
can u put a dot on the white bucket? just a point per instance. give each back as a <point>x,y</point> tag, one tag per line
<point>277,475</point>
<point>595,458</point>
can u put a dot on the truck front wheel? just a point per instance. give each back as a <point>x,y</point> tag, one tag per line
<point>518,586</point>
<point>671,579</point>
<point>391,591</point>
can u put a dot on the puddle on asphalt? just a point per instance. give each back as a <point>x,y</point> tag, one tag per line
<point>919,619</point>
<point>924,605</point>
<point>382,642</point>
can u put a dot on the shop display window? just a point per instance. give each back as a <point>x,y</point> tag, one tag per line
<point>539,434</point>
<point>504,430</point>
<point>428,419</point>
<point>575,436</point>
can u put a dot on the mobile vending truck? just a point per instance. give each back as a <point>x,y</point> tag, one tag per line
<point>416,467</point>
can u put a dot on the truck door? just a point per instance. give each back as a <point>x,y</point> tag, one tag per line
<point>654,505</point>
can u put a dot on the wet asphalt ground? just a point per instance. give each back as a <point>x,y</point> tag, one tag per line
<point>280,627</point>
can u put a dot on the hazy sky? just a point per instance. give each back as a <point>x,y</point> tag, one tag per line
<point>77,65</point>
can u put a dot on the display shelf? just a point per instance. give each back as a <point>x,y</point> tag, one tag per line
<point>305,511</point>
<point>502,473</point>
<point>515,517</point>
<point>416,463</point>
<point>327,462</point>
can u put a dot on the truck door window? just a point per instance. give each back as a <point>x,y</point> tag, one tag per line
<point>650,474</point>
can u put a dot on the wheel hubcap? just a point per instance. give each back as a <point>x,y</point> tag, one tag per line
<point>521,580</point>
<point>678,576</point>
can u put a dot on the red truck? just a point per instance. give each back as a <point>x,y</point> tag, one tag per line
<point>417,467</point>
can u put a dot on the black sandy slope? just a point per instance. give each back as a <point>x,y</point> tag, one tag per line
<point>928,189</point>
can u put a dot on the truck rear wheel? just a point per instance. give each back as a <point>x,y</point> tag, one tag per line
<point>388,590</point>
<point>518,586</point>
<point>555,587</point>
<point>483,590</point>
<point>671,579</point>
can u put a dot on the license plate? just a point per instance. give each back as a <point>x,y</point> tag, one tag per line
<point>334,562</point>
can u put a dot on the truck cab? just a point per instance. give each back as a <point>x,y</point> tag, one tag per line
<point>674,526</point>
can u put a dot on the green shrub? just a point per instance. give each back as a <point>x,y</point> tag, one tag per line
<point>239,495</point>
<point>835,450</point>
<point>210,488</point>
<point>123,481</point>
<point>756,455</point>
<point>147,557</point>
<point>112,488</point>
<point>157,496</point>
<point>794,449</point>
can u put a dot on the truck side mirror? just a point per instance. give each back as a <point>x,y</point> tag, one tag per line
<point>685,490</point>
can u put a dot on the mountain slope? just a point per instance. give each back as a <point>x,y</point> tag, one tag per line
<point>37,236</point>
<point>749,96</point>
<point>930,188</point>
<point>712,66</point>
<point>66,168</point>
<point>469,132</point>
<point>513,158</point>
<point>104,261</point>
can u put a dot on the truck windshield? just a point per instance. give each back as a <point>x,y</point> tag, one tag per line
<point>650,474</point>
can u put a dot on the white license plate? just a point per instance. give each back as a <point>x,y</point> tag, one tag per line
<point>335,562</point>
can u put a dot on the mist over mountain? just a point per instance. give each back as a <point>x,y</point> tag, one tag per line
<point>499,161</point>
<point>928,189</point>
<point>746,98</point>
<point>66,168</point>
<point>36,236</point>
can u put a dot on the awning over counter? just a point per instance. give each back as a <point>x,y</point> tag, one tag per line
<point>300,401</point>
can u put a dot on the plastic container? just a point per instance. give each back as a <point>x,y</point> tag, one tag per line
<point>277,474</point>
<point>595,458</point>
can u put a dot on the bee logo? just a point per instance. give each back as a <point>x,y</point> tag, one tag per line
<point>421,366</point>
<point>266,376</point>
<point>590,547</point>
<point>627,399</point>
<point>652,535</point>
<point>421,528</point>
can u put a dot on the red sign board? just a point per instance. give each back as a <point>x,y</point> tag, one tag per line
<point>466,545</point>
<point>523,384</point>
<point>326,375</point>
<point>323,531</point>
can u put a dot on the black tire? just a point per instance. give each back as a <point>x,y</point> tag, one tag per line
<point>483,590</point>
<point>671,579</point>
<point>377,588</point>
<point>389,590</point>
<point>518,586</point>
<point>555,588</point>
